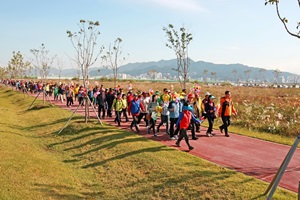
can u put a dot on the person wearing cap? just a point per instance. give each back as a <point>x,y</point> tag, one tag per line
<point>174,108</point>
<point>134,109</point>
<point>210,110</point>
<point>184,120</point>
<point>190,101</point>
<point>225,111</point>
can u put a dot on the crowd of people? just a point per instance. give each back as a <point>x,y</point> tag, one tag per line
<point>178,112</point>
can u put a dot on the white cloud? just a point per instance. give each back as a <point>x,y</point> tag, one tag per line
<point>183,5</point>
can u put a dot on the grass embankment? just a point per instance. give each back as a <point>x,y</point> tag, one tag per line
<point>93,162</point>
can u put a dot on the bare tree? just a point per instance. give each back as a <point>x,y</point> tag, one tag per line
<point>84,42</point>
<point>3,72</point>
<point>60,65</point>
<point>112,58</point>
<point>179,42</point>
<point>284,20</point>
<point>17,67</point>
<point>42,61</point>
<point>276,73</point>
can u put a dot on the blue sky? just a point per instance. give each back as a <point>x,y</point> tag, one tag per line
<point>225,31</point>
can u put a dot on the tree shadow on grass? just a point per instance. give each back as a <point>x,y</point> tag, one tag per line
<point>65,192</point>
<point>98,131</point>
<point>116,136</point>
<point>142,150</point>
<point>110,145</point>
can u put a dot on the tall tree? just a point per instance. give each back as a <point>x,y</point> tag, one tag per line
<point>247,74</point>
<point>234,72</point>
<point>17,67</point>
<point>112,58</point>
<point>60,65</point>
<point>42,61</point>
<point>85,42</point>
<point>205,72</point>
<point>214,76</point>
<point>284,21</point>
<point>179,42</point>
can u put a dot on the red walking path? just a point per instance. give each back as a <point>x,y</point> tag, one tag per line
<point>254,157</point>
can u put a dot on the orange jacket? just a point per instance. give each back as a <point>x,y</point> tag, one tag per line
<point>226,107</point>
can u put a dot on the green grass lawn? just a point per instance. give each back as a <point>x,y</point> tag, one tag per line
<point>88,161</point>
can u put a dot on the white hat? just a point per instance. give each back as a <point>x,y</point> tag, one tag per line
<point>207,94</point>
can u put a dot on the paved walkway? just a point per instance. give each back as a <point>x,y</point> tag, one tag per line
<point>254,157</point>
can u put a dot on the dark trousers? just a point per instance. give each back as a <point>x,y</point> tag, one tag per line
<point>164,119</point>
<point>210,120</point>
<point>172,124</point>
<point>109,113</point>
<point>226,123</point>
<point>101,108</point>
<point>124,111</point>
<point>182,134</point>
<point>134,123</point>
<point>141,116</point>
<point>192,127</point>
<point>118,117</point>
<point>152,125</point>
<point>69,101</point>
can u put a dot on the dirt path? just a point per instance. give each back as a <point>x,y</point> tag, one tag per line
<point>254,157</point>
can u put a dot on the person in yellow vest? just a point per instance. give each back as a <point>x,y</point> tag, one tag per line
<point>118,105</point>
<point>76,89</point>
<point>226,109</point>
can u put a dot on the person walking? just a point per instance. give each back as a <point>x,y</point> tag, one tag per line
<point>134,109</point>
<point>102,103</point>
<point>225,111</point>
<point>152,114</point>
<point>210,110</point>
<point>183,122</point>
<point>174,108</point>
<point>117,106</point>
<point>125,106</point>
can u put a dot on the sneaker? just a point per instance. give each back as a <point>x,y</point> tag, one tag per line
<point>172,138</point>
<point>221,129</point>
<point>210,135</point>
<point>177,144</point>
<point>191,148</point>
<point>155,135</point>
<point>226,135</point>
<point>176,137</point>
<point>207,133</point>
<point>194,138</point>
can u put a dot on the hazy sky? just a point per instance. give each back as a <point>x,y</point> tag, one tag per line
<point>225,31</point>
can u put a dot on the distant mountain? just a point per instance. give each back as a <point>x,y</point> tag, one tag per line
<point>221,72</point>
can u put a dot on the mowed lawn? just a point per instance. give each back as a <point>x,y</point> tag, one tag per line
<point>90,161</point>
